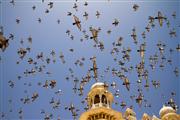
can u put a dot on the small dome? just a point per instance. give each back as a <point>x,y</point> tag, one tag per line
<point>166,109</point>
<point>129,112</point>
<point>97,84</point>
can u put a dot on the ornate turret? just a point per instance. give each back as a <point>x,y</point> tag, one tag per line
<point>99,101</point>
<point>99,96</point>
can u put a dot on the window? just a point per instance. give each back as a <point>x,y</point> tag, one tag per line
<point>104,100</point>
<point>96,99</point>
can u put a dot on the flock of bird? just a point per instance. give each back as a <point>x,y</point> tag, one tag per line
<point>40,62</point>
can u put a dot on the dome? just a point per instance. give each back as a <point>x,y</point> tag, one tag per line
<point>97,84</point>
<point>166,109</point>
<point>129,112</point>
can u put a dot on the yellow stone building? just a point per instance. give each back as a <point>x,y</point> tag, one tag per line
<point>99,102</point>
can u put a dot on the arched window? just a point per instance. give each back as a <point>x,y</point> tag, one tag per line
<point>96,99</point>
<point>104,99</point>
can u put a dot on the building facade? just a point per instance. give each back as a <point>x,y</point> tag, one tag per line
<point>99,102</point>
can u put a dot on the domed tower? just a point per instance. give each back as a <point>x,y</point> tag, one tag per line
<point>168,113</point>
<point>99,101</point>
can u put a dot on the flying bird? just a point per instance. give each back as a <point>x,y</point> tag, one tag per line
<point>77,22</point>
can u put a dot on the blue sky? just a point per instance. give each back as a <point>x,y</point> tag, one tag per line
<point>48,35</point>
